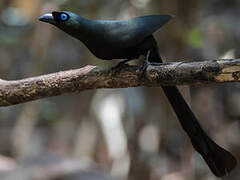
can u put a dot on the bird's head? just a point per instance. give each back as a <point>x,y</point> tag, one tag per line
<point>64,20</point>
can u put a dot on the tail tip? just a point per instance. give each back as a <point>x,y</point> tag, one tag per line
<point>221,166</point>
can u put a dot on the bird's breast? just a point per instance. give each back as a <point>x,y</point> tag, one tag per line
<point>107,52</point>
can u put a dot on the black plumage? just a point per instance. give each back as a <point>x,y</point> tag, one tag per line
<point>128,39</point>
<point>110,39</point>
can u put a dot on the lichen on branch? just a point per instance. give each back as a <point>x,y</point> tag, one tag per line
<point>94,77</point>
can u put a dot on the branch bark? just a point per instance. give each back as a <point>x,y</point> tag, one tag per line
<point>93,77</point>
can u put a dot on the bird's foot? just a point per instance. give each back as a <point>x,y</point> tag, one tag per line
<point>143,69</point>
<point>146,64</point>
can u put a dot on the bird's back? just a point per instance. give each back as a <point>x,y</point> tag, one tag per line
<point>127,33</point>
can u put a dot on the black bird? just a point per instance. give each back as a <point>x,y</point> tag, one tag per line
<point>128,39</point>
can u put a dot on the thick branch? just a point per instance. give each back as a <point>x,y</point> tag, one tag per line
<point>92,77</point>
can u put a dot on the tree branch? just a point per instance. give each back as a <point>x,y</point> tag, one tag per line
<point>92,77</point>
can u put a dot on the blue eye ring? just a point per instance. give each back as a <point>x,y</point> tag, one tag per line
<point>64,17</point>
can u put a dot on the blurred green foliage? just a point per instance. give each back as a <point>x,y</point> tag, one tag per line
<point>194,38</point>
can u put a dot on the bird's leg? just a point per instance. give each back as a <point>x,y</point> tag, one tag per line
<point>146,62</point>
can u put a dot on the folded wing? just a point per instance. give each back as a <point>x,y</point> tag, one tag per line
<point>128,33</point>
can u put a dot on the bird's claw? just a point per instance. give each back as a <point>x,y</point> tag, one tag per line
<point>144,66</point>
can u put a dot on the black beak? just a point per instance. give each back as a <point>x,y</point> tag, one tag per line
<point>48,18</point>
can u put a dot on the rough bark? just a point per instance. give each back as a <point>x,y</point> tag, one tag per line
<point>93,77</point>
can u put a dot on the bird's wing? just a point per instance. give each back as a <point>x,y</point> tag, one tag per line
<point>128,33</point>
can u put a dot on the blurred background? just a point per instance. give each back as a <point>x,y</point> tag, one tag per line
<point>114,134</point>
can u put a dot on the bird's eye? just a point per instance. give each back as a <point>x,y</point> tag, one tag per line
<point>64,17</point>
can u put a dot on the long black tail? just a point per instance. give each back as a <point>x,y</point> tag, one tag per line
<point>220,161</point>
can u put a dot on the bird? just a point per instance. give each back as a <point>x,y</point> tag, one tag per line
<point>127,40</point>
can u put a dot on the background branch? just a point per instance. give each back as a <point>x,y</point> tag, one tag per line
<point>93,77</point>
